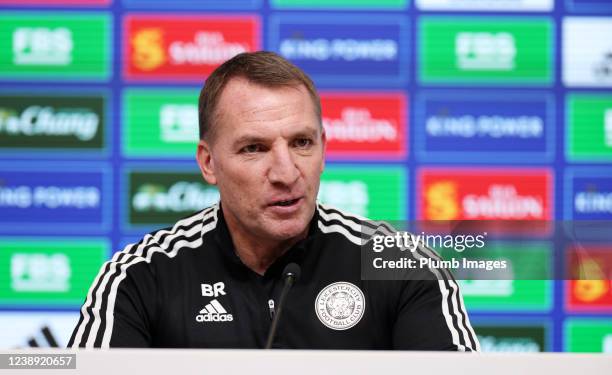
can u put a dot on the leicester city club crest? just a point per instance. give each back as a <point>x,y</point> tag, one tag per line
<point>340,305</point>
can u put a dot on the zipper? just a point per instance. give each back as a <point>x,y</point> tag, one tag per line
<point>271,308</point>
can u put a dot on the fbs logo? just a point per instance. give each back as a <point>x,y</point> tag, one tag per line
<point>178,123</point>
<point>214,312</point>
<point>42,46</point>
<point>148,47</point>
<point>487,288</point>
<point>351,196</point>
<point>39,272</point>
<point>485,51</point>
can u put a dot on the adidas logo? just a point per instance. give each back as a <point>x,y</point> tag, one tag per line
<point>214,312</point>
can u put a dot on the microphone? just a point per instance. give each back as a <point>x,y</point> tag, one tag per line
<point>291,275</point>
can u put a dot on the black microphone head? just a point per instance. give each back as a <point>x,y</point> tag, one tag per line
<point>292,270</point>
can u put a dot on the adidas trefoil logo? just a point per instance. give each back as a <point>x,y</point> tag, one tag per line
<point>214,312</point>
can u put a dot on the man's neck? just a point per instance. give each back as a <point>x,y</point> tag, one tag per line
<point>258,253</point>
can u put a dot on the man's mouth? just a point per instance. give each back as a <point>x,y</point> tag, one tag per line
<point>285,203</point>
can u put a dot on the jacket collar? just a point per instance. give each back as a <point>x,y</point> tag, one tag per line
<point>295,254</point>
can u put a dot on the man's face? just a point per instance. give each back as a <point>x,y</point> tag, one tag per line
<point>266,157</point>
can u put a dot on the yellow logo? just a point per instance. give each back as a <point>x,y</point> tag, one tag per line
<point>148,46</point>
<point>594,287</point>
<point>441,201</point>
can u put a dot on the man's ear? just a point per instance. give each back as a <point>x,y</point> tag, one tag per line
<point>205,162</point>
<point>324,145</point>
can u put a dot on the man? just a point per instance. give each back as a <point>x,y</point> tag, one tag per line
<point>213,279</point>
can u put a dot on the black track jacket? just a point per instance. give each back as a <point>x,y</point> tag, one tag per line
<point>185,287</point>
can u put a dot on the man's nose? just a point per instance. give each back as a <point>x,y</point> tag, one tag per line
<point>283,169</point>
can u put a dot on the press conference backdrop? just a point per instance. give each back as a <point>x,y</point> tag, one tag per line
<point>428,105</point>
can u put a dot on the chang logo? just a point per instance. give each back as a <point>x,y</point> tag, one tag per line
<point>179,197</point>
<point>340,305</point>
<point>441,202</point>
<point>148,46</point>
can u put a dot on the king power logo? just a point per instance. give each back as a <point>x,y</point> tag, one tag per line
<point>42,46</point>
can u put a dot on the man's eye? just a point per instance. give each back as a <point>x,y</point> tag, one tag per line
<point>303,142</point>
<point>250,149</point>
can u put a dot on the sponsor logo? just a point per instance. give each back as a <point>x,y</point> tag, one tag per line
<point>340,305</point>
<point>173,115</point>
<point>588,335</point>
<point>486,5</point>
<point>214,312</point>
<point>364,125</point>
<point>511,338</point>
<point>589,126</point>
<point>40,272</point>
<point>51,122</point>
<point>525,285</point>
<point>340,4</point>
<point>504,50</point>
<point>49,271</point>
<point>487,288</point>
<point>340,52</point>
<point>485,51</point>
<point>374,192</point>
<point>163,198</point>
<point>157,49</point>
<point>55,45</point>
<point>42,46</point>
<point>587,64</point>
<point>591,284</point>
<point>465,126</point>
<point>466,194</point>
<point>590,195</point>
<point>38,195</point>
<point>178,123</point>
